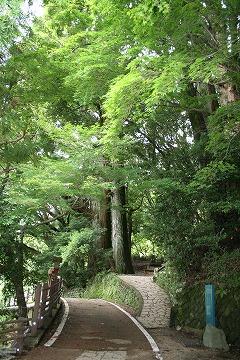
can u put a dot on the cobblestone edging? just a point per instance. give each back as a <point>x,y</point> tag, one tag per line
<point>156,304</point>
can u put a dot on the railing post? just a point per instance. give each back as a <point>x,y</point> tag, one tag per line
<point>45,289</point>
<point>52,293</point>
<point>20,336</point>
<point>60,290</point>
<point>35,318</point>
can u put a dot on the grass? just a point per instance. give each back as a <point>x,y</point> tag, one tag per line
<point>109,286</point>
<point>72,292</point>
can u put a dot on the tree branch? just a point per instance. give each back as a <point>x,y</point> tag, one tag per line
<point>32,250</point>
<point>15,141</point>
<point>49,221</point>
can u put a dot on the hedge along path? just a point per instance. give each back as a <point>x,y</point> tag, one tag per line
<point>97,330</point>
<point>156,304</point>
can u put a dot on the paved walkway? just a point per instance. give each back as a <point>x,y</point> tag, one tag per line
<point>156,305</point>
<point>96,330</point>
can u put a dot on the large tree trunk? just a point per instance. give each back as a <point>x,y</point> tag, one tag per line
<point>105,207</point>
<point>126,233</point>
<point>101,214</point>
<point>228,93</point>
<point>105,221</point>
<point>213,103</point>
<point>121,242</point>
<point>21,301</point>
<point>196,117</point>
<point>199,125</point>
<point>117,232</point>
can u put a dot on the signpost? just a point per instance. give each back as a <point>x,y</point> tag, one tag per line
<point>210,311</point>
<point>213,337</point>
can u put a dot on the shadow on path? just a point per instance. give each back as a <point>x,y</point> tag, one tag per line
<point>96,330</point>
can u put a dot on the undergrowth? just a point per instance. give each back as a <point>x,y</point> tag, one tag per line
<point>109,286</point>
<point>169,280</point>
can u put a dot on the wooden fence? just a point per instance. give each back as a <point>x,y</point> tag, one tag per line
<point>13,332</point>
<point>46,303</point>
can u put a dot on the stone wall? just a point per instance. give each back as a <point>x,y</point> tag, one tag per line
<point>190,312</point>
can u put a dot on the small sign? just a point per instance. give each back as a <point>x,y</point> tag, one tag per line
<point>210,305</point>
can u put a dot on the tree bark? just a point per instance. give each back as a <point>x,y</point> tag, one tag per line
<point>213,103</point>
<point>21,301</point>
<point>126,233</point>
<point>196,117</point>
<point>117,232</point>
<point>228,93</point>
<point>105,220</point>
<point>121,241</point>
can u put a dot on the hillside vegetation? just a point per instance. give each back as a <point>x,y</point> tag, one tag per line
<point>120,136</point>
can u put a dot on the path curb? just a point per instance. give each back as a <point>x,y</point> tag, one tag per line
<point>60,327</point>
<point>149,338</point>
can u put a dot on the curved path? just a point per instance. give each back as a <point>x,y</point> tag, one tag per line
<point>156,304</point>
<point>96,330</point>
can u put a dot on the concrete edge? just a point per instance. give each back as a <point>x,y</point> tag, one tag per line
<point>60,327</point>
<point>149,338</point>
<point>32,341</point>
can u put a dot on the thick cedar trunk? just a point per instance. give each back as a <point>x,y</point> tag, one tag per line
<point>105,220</point>
<point>102,215</point>
<point>126,233</point>
<point>117,233</point>
<point>105,207</point>
<point>113,220</point>
<point>213,103</point>
<point>199,126</point>
<point>228,93</point>
<point>120,232</point>
<point>196,117</point>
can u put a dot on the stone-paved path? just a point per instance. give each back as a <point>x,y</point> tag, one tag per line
<point>156,305</point>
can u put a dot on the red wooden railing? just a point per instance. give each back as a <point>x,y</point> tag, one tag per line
<point>46,303</point>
